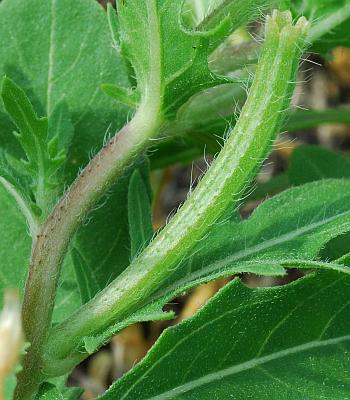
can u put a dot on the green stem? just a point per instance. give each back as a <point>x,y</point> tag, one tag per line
<point>224,184</point>
<point>53,239</point>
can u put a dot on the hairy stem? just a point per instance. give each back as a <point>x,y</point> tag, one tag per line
<point>224,183</point>
<point>53,239</point>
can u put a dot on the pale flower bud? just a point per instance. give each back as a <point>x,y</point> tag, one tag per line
<point>11,336</point>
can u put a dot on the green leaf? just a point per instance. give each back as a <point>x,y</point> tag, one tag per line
<point>15,244</point>
<point>15,253</point>
<point>88,285</point>
<point>18,185</point>
<point>146,37</point>
<point>330,22</point>
<point>139,213</point>
<point>122,95</point>
<point>68,297</point>
<point>102,246</point>
<point>11,173</point>
<point>312,163</point>
<point>152,312</point>
<point>61,129</point>
<point>306,119</point>
<point>43,159</point>
<point>286,342</point>
<point>40,53</point>
<point>275,237</point>
<point>223,17</point>
<point>48,391</point>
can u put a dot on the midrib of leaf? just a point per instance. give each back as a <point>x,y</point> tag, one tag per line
<point>22,205</point>
<point>255,362</point>
<point>51,57</point>
<point>219,269</point>
<point>251,364</point>
<point>327,24</point>
<point>281,239</point>
<point>238,256</point>
<point>299,305</point>
<point>153,86</point>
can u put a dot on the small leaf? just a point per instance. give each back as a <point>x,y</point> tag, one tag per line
<point>49,391</point>
<point>88,286</point>
<point>224,17</point>
<point>152,312</point>
<point>104,241</point>
<point>146,35</point>
<point>33,137</point>
<point>330,21</point>
<point>289,342</point>
<point>139,213</point>
<point>18,185</point>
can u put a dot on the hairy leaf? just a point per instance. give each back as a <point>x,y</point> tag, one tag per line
<point>330,22</point>
<point>275,232</point>
<point>59,50</point>
<point>225,16</point>
<point>286,342</point>
<point>147,34</point>
<point>275,237</point>
<point>44,157</point>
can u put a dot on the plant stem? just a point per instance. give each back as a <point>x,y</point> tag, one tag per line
<point>53,239</point>
<point>223,185</point>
